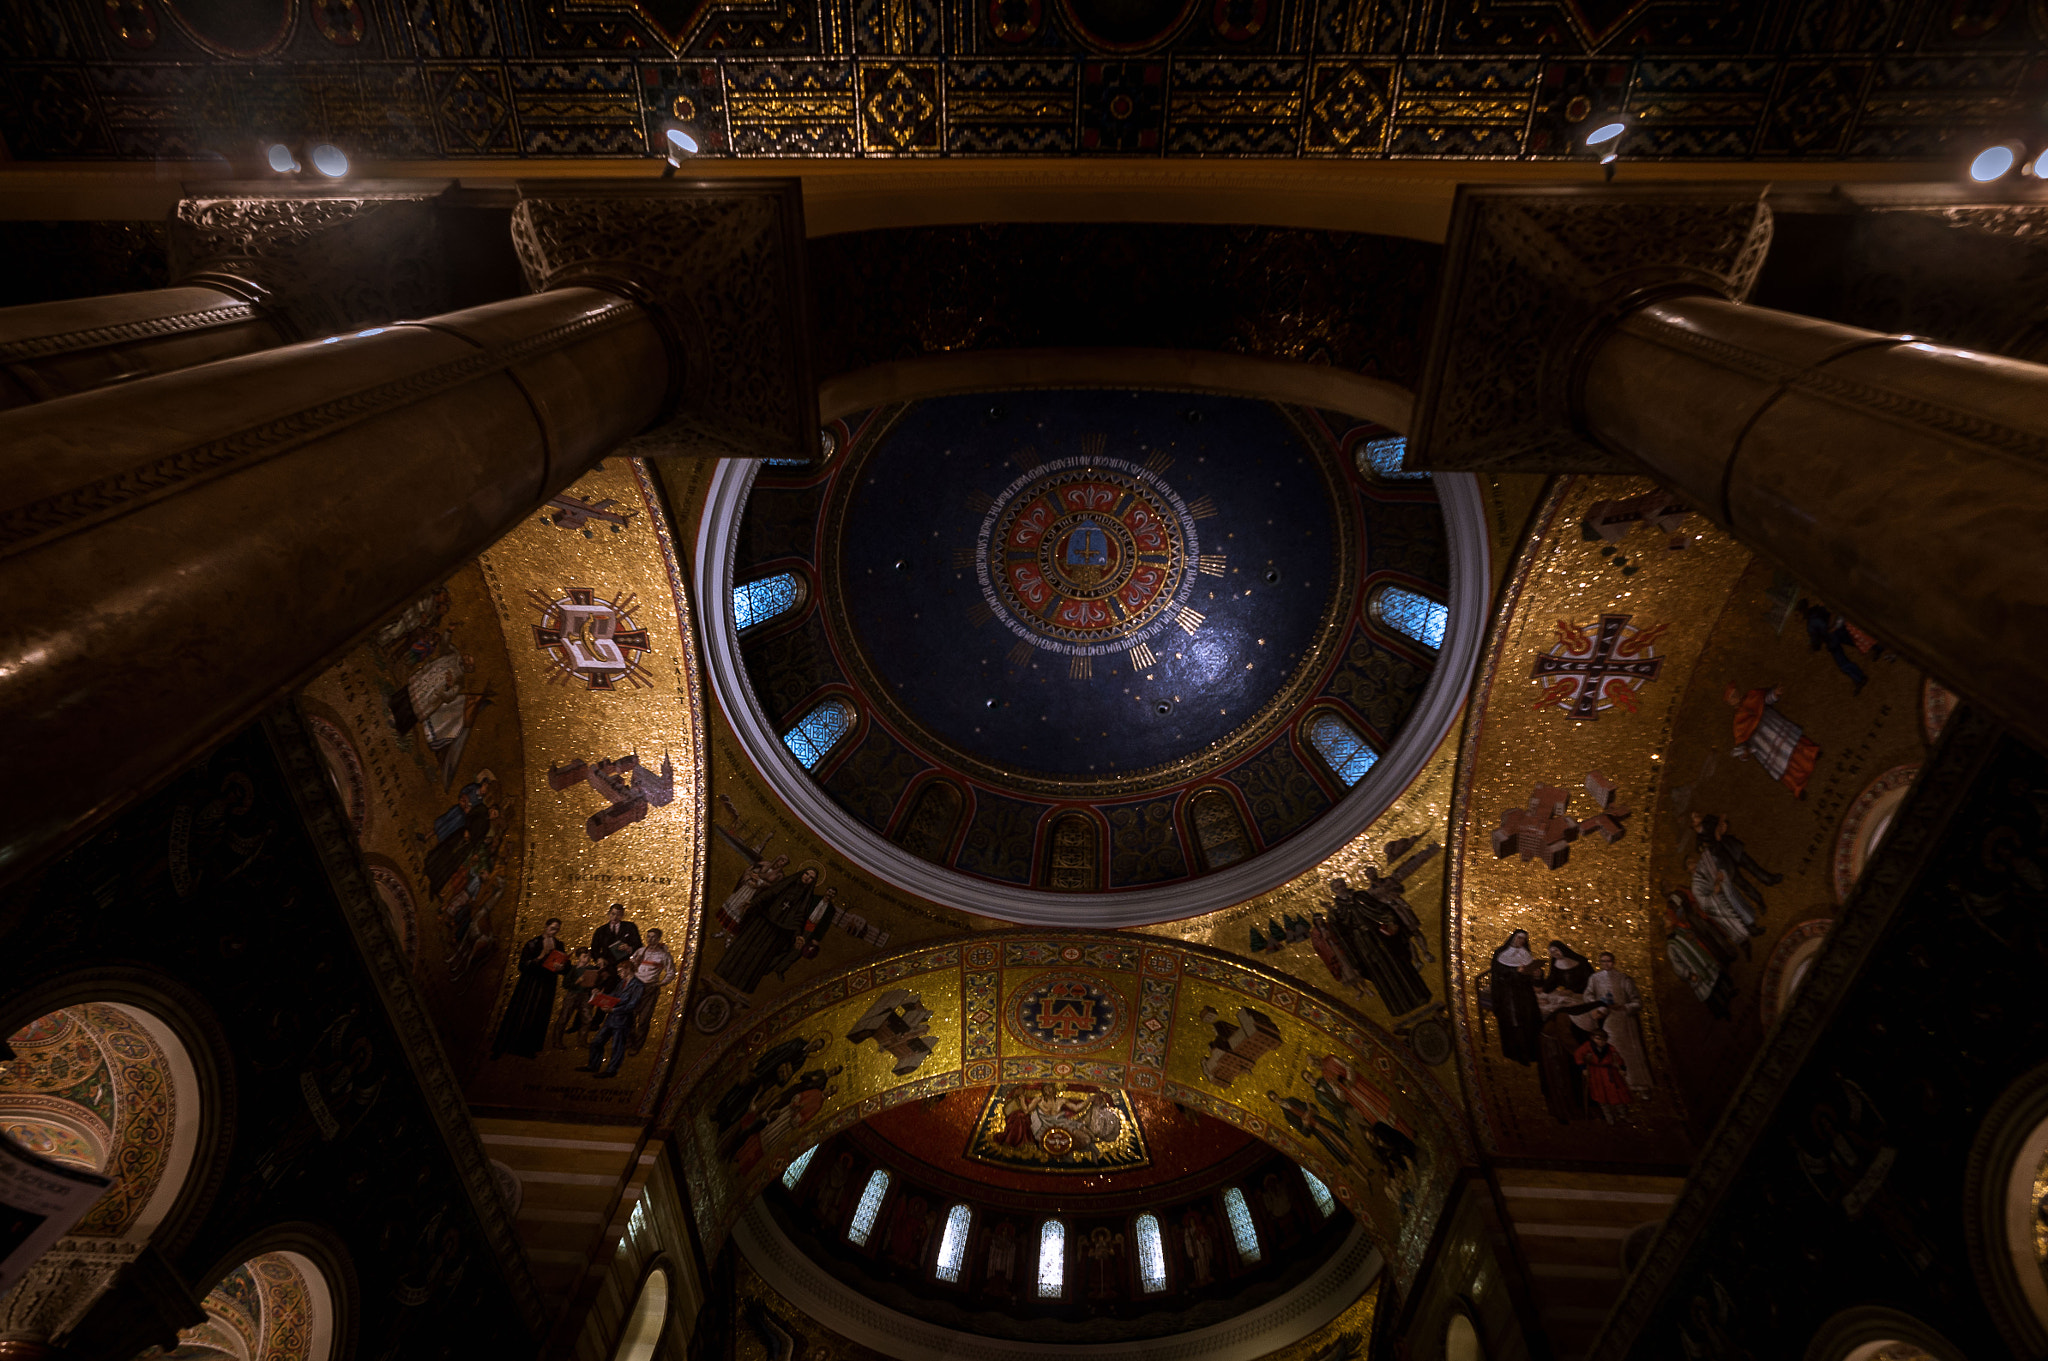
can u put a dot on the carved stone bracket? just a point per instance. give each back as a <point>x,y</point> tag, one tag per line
<point>722,264</point>
<point>319,263</point>
<point>99,1297</point>
<point>1531,280</point>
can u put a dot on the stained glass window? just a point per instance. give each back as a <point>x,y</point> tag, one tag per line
<point>795,1173</point>
<point>1151,1255</point>
<point>953,1243</point>
<point>1052,1260</point>
<point>1325,1202</point>
<point>1412,613</point>
<point>870,1205</point>
<point>756,602</point>
<point>818,731</point>
<point>1241,1227</point>
<point>1343,749</point>
<point>1381,458</point>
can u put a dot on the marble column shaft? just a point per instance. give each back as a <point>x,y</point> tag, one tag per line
<point>1905,482</point>
<point>54,349</point>
<point>179,550</point>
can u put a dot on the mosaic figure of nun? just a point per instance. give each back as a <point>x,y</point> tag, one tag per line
<point>772,925</point>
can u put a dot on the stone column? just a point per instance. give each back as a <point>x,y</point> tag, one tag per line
<point>180,550</point>
<point>1904,482</point>
<point>251,271</point>
<point>1908,482</point>
<point>53,349</point>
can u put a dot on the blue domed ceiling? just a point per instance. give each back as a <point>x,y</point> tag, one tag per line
<point>1084,638</point>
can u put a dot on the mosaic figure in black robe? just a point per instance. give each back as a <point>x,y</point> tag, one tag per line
<point>1378,941</point>
<point>525,1027</point>
<point>773,923</point>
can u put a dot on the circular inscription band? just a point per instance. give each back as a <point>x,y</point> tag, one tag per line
<point>1086,556</point>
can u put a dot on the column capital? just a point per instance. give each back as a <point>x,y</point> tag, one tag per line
<point>722,264</point>
<point>1532,277</point>
<point>320,262</point>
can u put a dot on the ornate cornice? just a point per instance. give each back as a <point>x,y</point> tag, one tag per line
<point>1970,740</point>
<point>1532,278</point>
<point>319,263</point>
<point>386,962</point>
<point>722,264</point>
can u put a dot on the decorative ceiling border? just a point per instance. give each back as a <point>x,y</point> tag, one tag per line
<point>1257,1333</point>
<point>1442,700</point>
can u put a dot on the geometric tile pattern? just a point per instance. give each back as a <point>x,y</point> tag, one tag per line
<point>1723,79</point>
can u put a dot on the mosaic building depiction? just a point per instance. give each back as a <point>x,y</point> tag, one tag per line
<point>1095,680</point>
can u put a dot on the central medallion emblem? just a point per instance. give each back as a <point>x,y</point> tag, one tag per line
<point>1086,555</point>
<point>1073,1012</point>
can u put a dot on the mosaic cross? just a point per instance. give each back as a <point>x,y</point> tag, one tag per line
<point>1579,673</point>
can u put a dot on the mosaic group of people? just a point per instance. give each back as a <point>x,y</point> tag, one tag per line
<point>1579,1026</point>
<point>610,990</point>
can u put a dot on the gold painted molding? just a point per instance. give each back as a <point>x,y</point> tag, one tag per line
<point>940,375</point>
<point>1410,198</point>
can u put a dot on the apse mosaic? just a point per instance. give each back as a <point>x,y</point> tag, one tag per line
<point>1278,78</point>
<point>1089,640</point>
<point>1059,1127</point>
<point>1338,1095</point>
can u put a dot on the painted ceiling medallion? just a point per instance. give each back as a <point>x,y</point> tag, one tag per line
<point>1071,1013</point>
<point>592,639</point>
<point>1088,556</point>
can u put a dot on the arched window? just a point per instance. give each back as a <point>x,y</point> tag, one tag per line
<point>795,1173</point>
<point>1461,1339</point>
<point>644,1324</point>
<point>1241,1227</point>
<point>820,730</point>
<point>1073,852</point>
<point>1326,1203</point>
<point>1381,458</point>
<point>928,832</point>
<point>953,1243</point>
<point>1411,613</point>
<point>1343,748</point>
<point>870,1205</point>
<point>1052,1260</point>
<point>764,598</point>
<point>1219,831</point>
<point>1151,1255</point>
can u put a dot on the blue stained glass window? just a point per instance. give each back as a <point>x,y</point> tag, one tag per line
<point>1052,1260</point>
<point>1241,1227</point>
<point>1342,748</point>
<point>818,731</point>
<point>756,602</point>
<point>1320,1193</point>
<point>1151,1255</point>
<point>1381,458</point>
<point>870,1205</point>
<point>1412,613</point>
<point>953,1243</point>
<point>795,1173</point>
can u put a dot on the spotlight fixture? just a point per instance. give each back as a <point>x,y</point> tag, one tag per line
<point>280,158</point>
<point>678,144</point>
<point>1994,162</point>
<point>1607,130</point>
<point>330,160</point>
